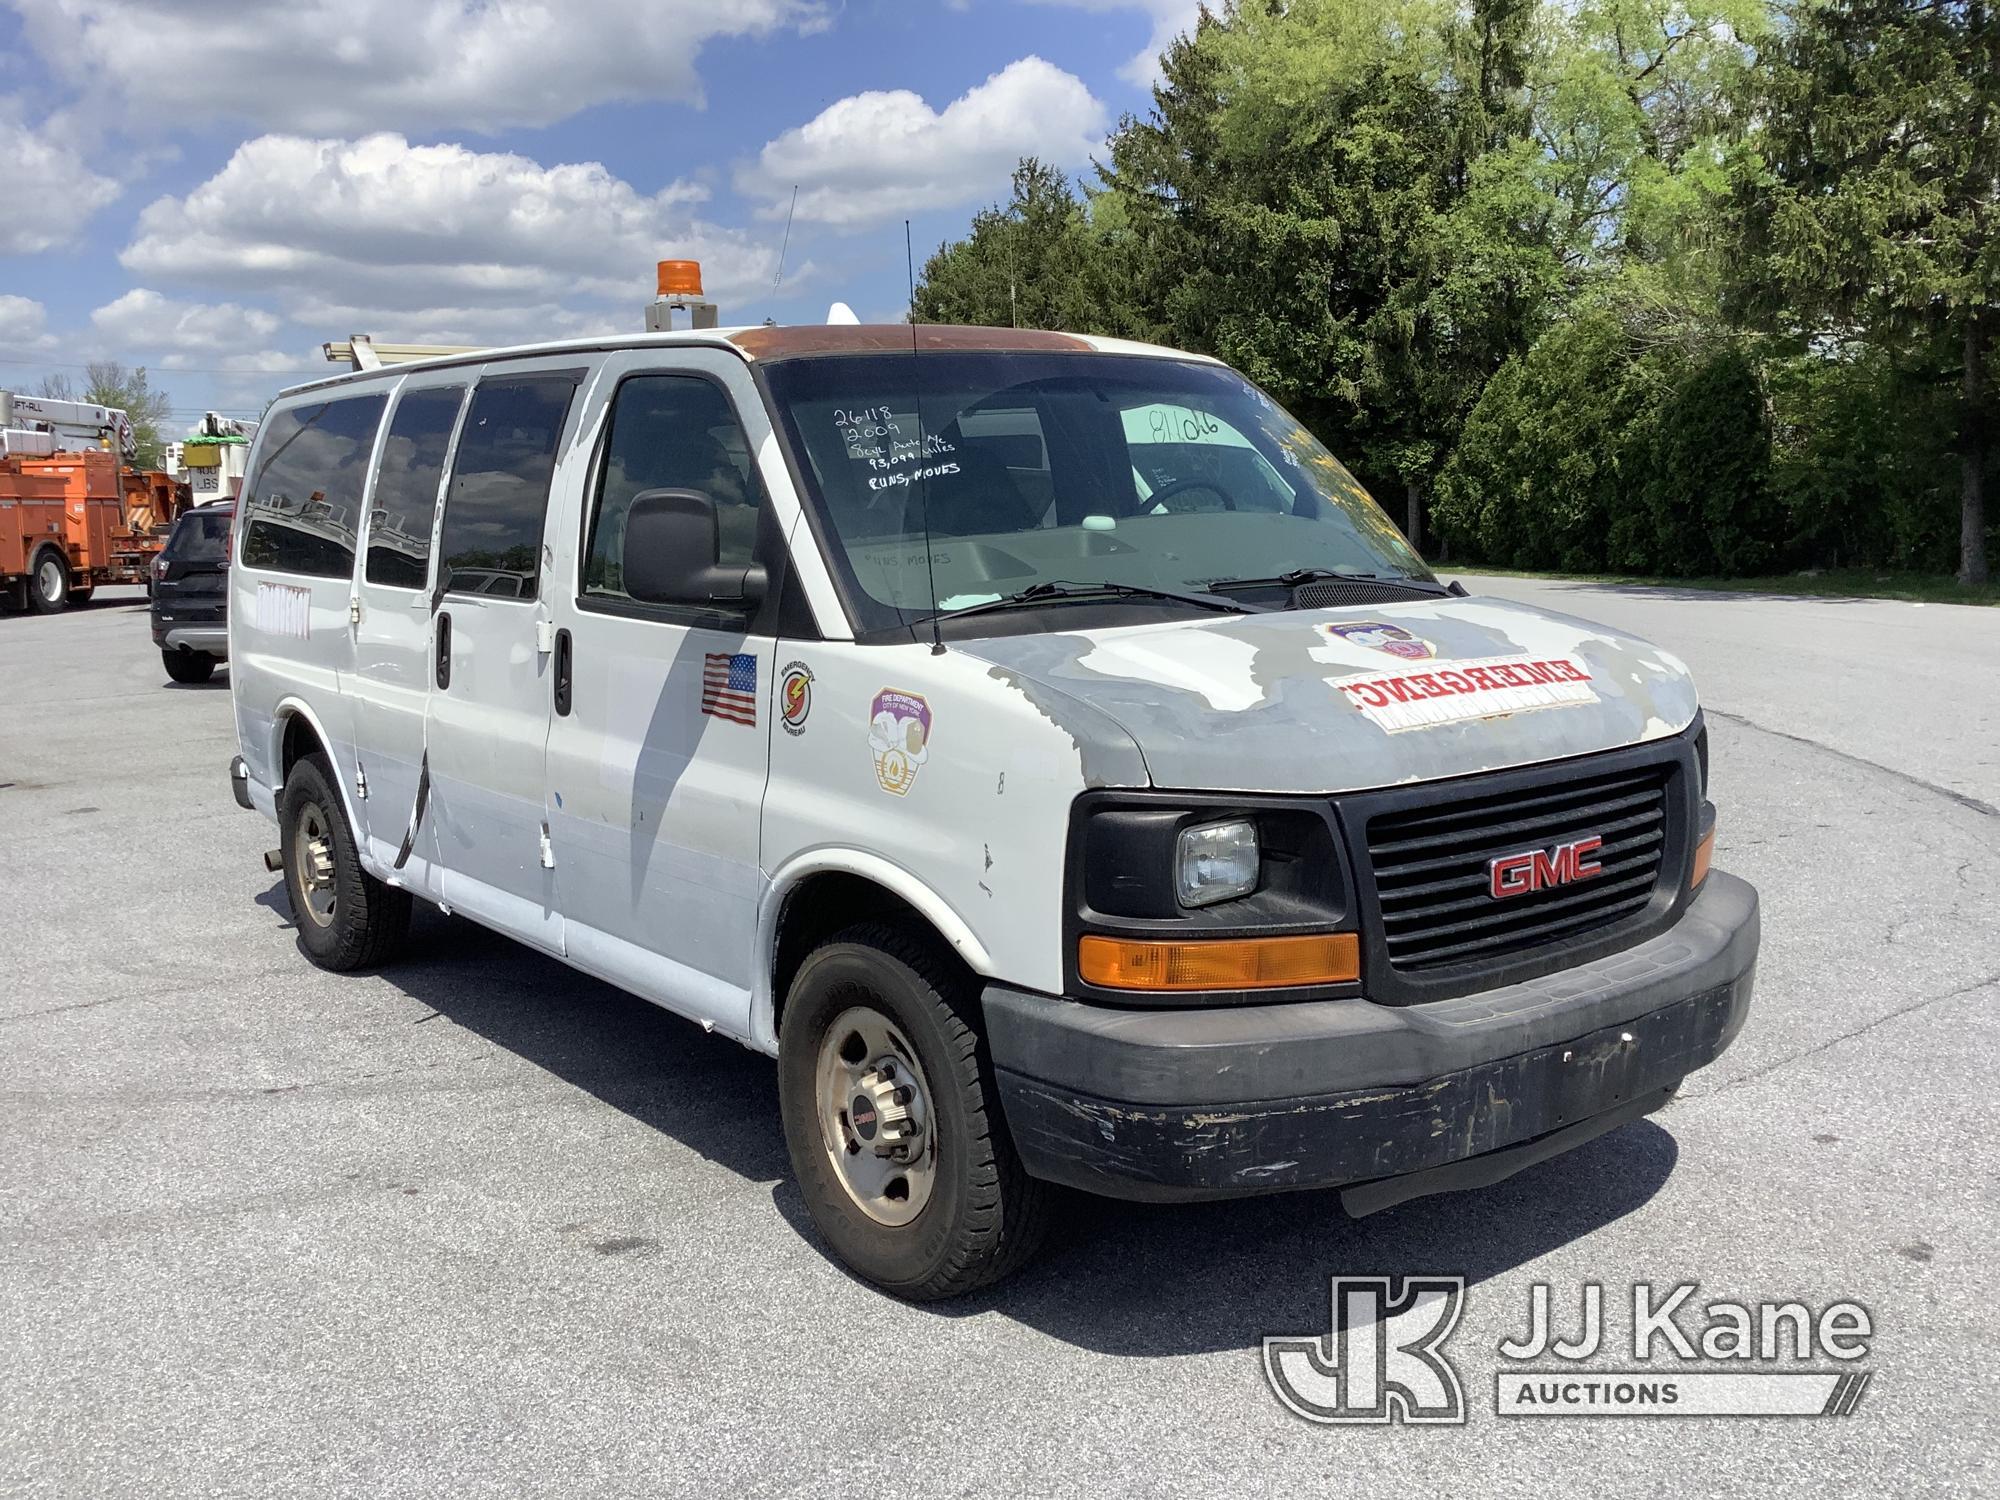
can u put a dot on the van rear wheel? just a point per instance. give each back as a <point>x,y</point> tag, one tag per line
<point>893,1121</point>
<point>346,918</point>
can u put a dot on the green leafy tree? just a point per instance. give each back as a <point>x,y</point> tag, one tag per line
<point>1880,131</point>
<point>1313,192</point>
<point>109,383</point>
<point>1032,262</point>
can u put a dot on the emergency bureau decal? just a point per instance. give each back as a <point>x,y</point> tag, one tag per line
<point>899,732</point>
<point>795,697</point>
<point>1478,689</point>
<point>1382,636</point>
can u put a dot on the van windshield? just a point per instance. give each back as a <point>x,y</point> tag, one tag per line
<point>950,480</point>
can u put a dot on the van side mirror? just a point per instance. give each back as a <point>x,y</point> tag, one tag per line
<point>673,555</point>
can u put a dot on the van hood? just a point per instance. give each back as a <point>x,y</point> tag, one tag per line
<point>1335,700</point>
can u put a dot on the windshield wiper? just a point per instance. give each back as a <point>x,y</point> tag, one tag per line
<point>1044,593</point>
<point>1299,576</point>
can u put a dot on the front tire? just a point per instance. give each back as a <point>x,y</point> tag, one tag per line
<point>346,918</point>
<point>48,582</point>
<point>188,666</point>
<point>893,1121</point>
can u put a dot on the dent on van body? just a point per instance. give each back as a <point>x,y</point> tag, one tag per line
<point>1251,702</point>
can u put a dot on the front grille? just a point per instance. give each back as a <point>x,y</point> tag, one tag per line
<point>1432,873</point>
<point>1360,591</point>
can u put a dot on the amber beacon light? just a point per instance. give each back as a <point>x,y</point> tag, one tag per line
<point>680,278</point>
<point>1220,963</point>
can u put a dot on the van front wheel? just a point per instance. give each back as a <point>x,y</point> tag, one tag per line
<point>893,1123</point>
<point>346,918</point>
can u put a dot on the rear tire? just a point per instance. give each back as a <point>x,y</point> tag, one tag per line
<point>967,1214</point>
<point>48,582</point>
<point>188,666</point>
<point>346,918</point>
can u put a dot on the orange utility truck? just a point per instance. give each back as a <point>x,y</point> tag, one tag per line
<point>72,516</point>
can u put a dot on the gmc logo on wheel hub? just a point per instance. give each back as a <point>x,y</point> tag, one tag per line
<point>1538,869</point>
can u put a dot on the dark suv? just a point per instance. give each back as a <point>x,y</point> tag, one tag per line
<point>191,593</point>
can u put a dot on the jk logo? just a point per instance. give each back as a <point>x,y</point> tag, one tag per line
<point>1380,1362</point>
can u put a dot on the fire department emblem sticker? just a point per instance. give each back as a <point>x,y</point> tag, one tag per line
<point>899,734</point>
<point>1380,635</point>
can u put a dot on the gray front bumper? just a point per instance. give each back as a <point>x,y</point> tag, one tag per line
<point>1247,1099</point>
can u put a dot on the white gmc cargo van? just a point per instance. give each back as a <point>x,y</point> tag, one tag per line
<point>1040,744</point>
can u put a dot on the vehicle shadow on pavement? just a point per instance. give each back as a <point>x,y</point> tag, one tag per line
<point>1116,1278</point>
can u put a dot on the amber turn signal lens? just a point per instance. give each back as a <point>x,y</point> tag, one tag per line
<point>1703,853</point>
<point>1220,963</point>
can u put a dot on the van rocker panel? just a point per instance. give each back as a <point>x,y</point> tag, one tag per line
<point>1186,1104</point>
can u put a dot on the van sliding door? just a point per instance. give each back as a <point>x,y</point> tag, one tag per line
<point>492,648</point>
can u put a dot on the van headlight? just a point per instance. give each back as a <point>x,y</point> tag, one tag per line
<point>1216,862</point>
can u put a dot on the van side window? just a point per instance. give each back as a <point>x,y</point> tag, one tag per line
<point>499,495</point>
<point>671,432</point>
<point>304,504</point>
<point>406,486</point>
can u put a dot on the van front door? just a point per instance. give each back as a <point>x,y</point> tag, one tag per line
<point>491,644</point>
<point>392,624</point>
<point>660,747</point>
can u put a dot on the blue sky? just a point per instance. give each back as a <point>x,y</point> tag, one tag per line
<point>212,188</point>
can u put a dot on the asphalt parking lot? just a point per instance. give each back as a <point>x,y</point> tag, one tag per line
<point>479,1225</point>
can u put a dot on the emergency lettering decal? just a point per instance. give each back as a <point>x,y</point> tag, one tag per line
<point>1465,690</point>
<point>1382,636</point>
<point>899,732</point>
<point>795,697</point>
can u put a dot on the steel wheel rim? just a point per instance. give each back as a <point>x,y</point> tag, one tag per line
<point>312,864</point>
<point>875,1118</point>
<point>49,579</point>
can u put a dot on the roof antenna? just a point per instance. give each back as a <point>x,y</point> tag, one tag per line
<point>788,240</point>
<point>923,446</point>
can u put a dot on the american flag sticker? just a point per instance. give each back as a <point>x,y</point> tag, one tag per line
<point>729,686</point>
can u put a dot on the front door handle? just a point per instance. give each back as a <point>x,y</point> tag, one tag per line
<point>562,673</point>
<point>443,651</point>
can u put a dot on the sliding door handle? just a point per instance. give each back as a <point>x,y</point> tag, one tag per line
<point>443,651</point>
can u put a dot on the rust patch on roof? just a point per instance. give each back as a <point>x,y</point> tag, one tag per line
<point>879,338</point>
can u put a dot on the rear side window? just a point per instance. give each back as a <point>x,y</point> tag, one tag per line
<point>304,503</point>
<point>406,486</point>
<point>491,540</point>
<point>200,536</point>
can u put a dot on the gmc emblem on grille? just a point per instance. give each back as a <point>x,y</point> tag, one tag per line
<point>1538,869</point>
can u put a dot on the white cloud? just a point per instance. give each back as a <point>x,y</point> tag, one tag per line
<point>23,324</point>
<point>1170,18</point>
<point>883,155</point>
<point>336,66</point>
<point>144,319</point>
<point>379,236</point>
<point>46,189</point>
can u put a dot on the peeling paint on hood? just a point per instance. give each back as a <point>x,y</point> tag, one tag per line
<point>1254,703</point>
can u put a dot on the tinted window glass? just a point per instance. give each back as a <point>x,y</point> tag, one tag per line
<point>671,432</point>
<point>493,513</point>
<point>1082,468</point>
<point>406,486</point>
<point>305,502</point>
<point>201,536</point>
